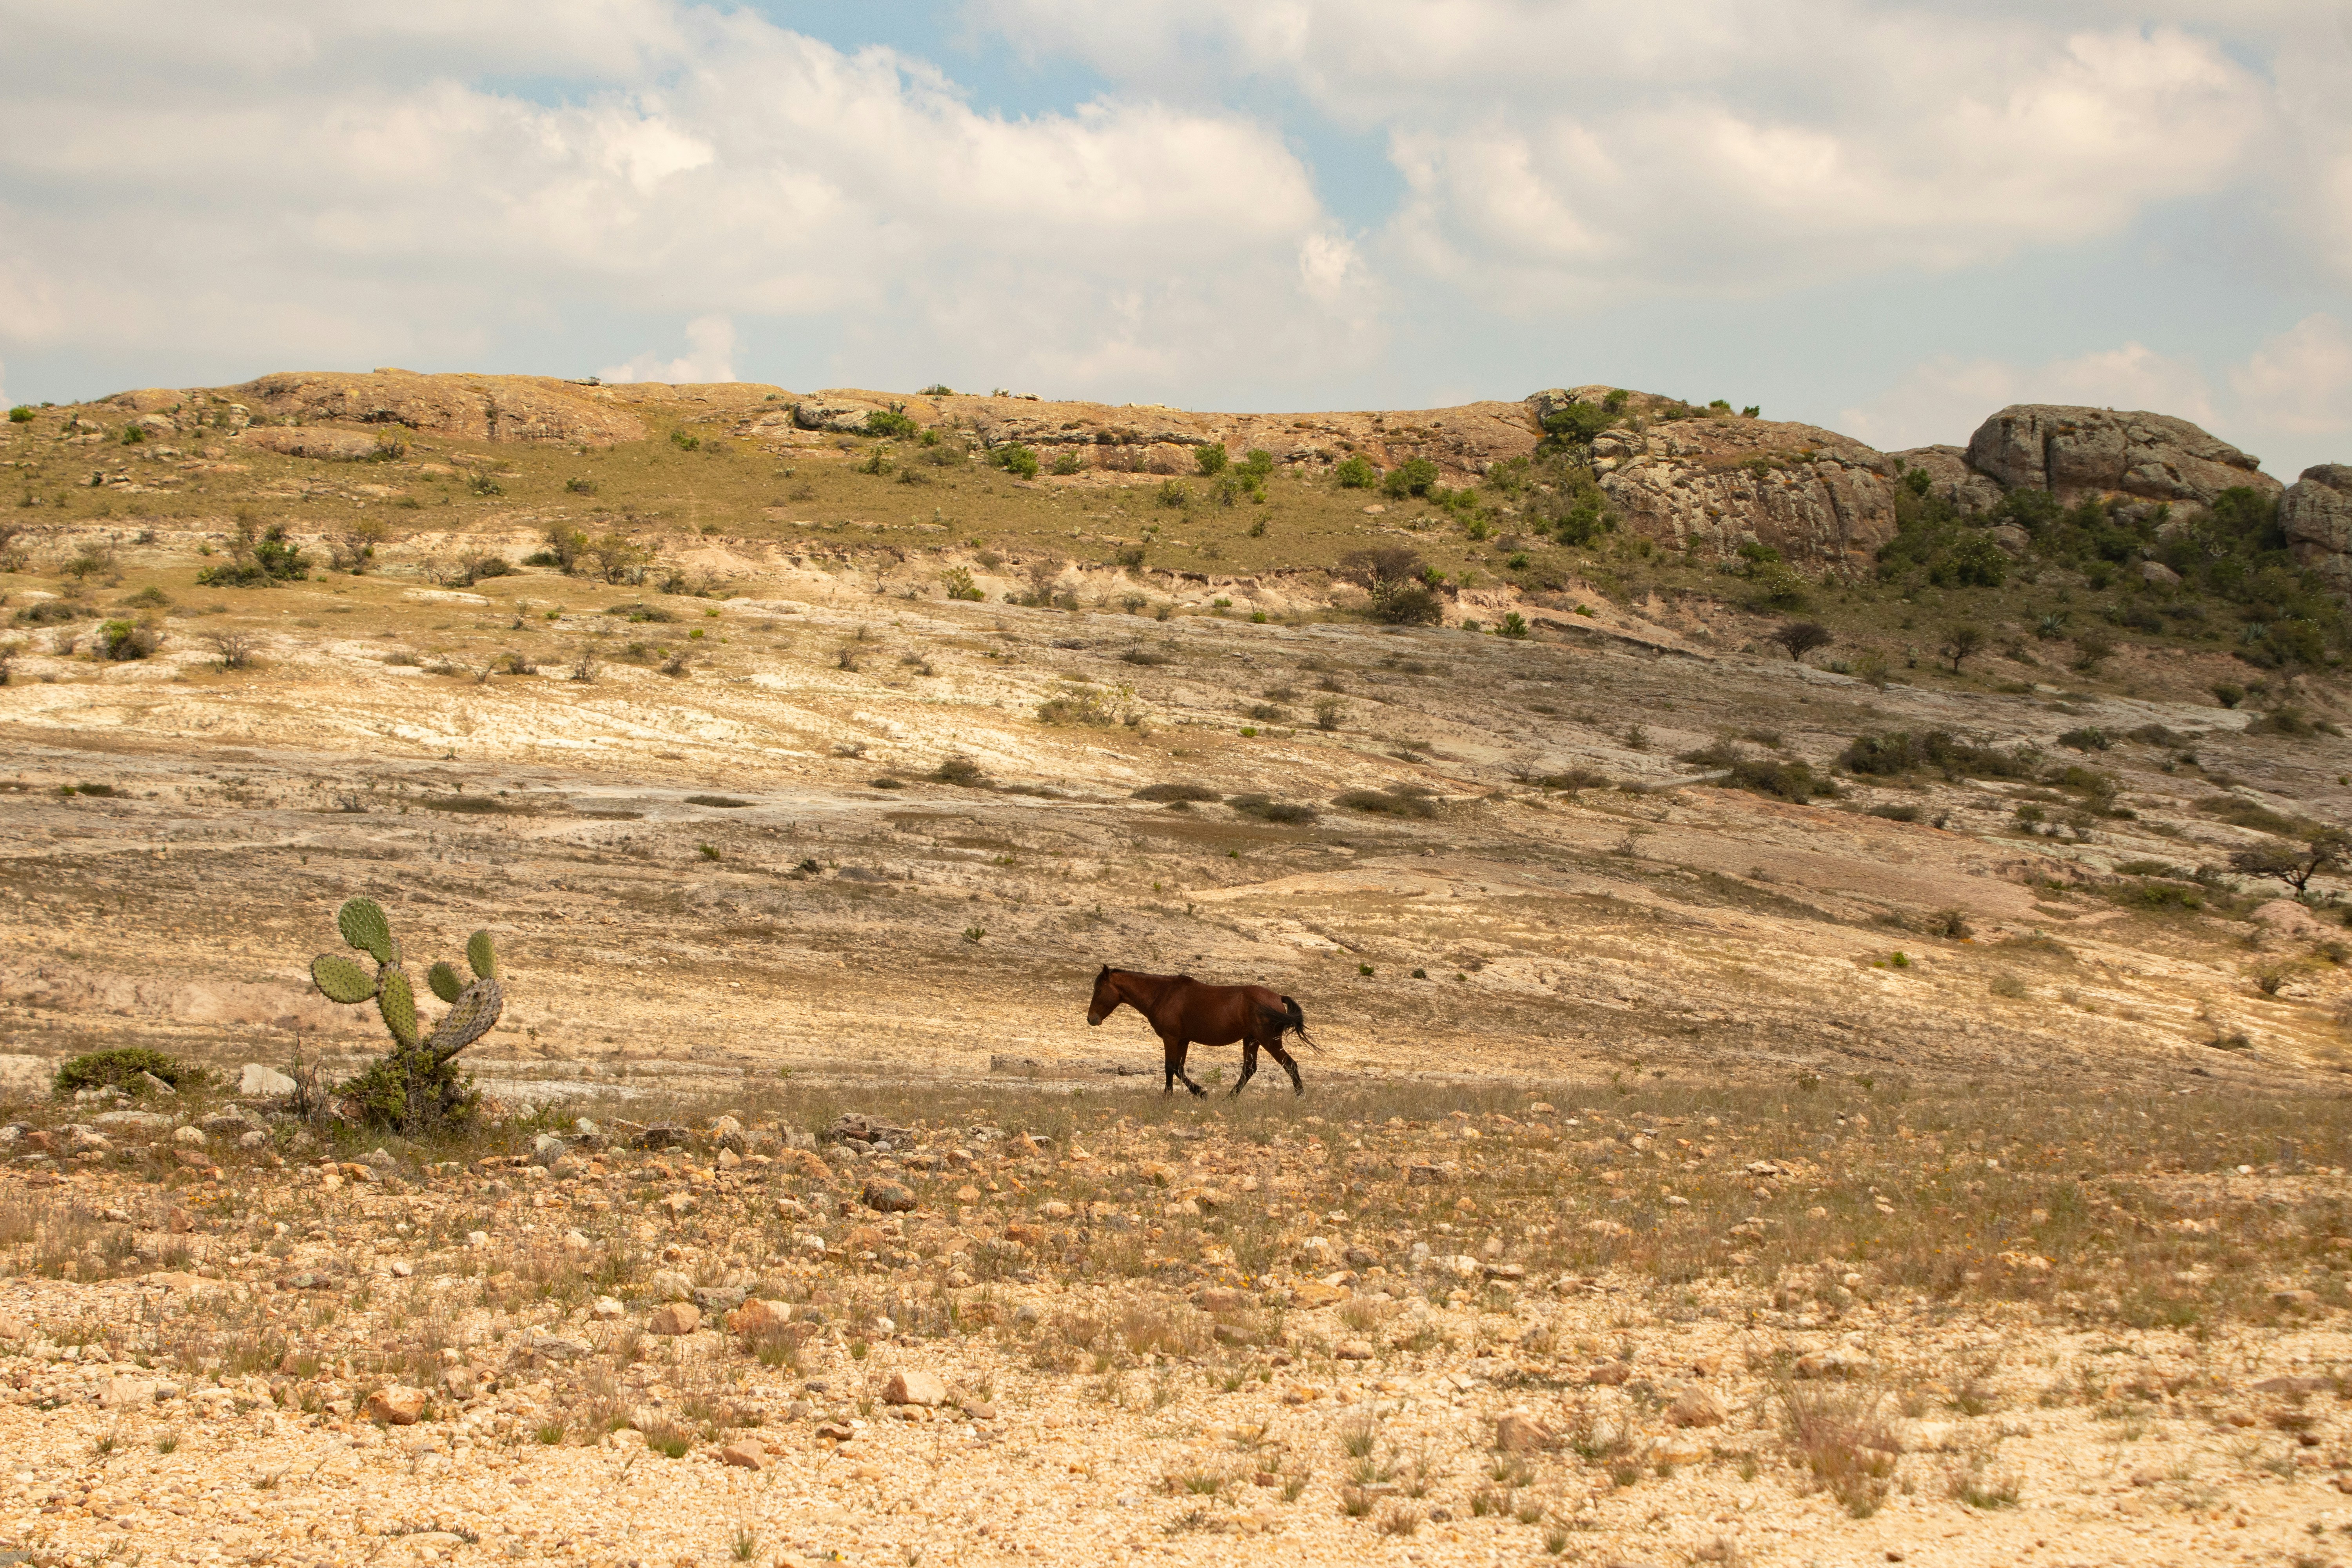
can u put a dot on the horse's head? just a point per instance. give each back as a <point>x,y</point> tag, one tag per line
<point>1107,997</point>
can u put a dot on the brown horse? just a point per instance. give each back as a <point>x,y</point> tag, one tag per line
<point>1184,1012</point>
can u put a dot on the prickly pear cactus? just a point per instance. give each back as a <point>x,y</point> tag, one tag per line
<point>416,1086</point>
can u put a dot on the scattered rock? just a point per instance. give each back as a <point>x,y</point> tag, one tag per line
<point>395,1405</point>
<point>673,1319</point>
<point>744,1457</point>
<point>886,1197</point>
<point>1520,1434</point>
<point>1695,1406</point>
<point>910,1387</point>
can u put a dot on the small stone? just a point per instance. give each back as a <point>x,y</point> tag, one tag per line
<point>1695,1406</point>
<point>675,1319</point>
<point>669,1285</point>
<point>1055,1209</point>
<point>886,1197</point>
<point>1609,1375</point>
<point>606,1310</point>
<point>756,1319</point>
<point>906,1387</point>
<point>1354,1350</point>
<point>255,1081</point>
<point>1518,1434</point>
<point>395,1405</point>
<point>1422,1176</point>
<point>191,1137</point>
<point>743,1456</point>
<point>728,1159</point>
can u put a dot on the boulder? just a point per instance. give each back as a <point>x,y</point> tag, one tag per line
<point>194,1137</point>
<point>744,1456</point>
<point>669,1285</point>
<point>255,1081</point>
<point>2074,452</point>
<point>1950,478</point>
<point>908,1387</point>
<point>2283,916</point>
<point>2315,515</point>
<point>546,1148</point>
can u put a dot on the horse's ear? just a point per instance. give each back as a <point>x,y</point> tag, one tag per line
<point>1104,975</point>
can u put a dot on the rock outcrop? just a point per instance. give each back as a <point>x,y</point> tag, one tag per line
<point>2074,452</point>
<point>1463,441</point>
<point>466,407</point>
<point>1712,483</point>
<point>2316,514</point>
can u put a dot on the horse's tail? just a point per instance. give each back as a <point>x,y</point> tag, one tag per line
<point>1295,1022</point>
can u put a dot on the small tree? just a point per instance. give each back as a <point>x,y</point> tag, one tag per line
<point>1802,637</point>
<point>2295,863</point>
<point>1960,644</point>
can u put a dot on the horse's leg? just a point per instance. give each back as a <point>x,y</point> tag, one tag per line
<point>1249,1065</point>
<point>1289,1065</point>
<point>1172,1058</point>
<point>1176,1064</point>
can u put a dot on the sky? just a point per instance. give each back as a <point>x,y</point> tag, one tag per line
<point>1891,218</point>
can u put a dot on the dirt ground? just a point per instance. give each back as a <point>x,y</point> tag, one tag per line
<point>1937,1168</point>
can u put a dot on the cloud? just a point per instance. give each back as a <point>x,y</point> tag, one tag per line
<point>712,357</point>
<point>1723,144</point>
<point>2300,381</point>
<point>325,191</point>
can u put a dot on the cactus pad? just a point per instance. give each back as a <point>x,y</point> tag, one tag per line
<point>362,923</point>
<point>398,1005</point>
<point>445,982</point>
<point>342,979</point>
<point>470,1017</point>
<point>479,954</point>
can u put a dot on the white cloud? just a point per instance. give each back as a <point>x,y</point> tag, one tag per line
<point>712,358</point>
<point>2300,383</point>
<point>1719,144</point>
<point>324,193</point>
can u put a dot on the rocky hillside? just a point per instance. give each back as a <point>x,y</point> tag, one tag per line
<point>1702,481</point>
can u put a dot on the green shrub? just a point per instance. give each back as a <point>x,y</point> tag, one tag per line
<point>121,1068</point>
<point>959,584</point>
<point>685,442</point>
<point>1168,792</point>
<point>1212,457</point>
<point>1069,460</point>
<point>892,422</point>
<point>21,414</point>
<point>1515,625</point>
<point>1265,808</point>
<point>1761,775</point>
<point>2089,737</point>
<point>1356,473</point>
<point>1016,459</point>
<point>1905,750</point>
<point>1401,800</point>
<point>125,640</point>
<point>1411,478</point>
<point>1174,492</point>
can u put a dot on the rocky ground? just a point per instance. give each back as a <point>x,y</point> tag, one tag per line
<point>1410,1323</point>
<point>1696,1165</point>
